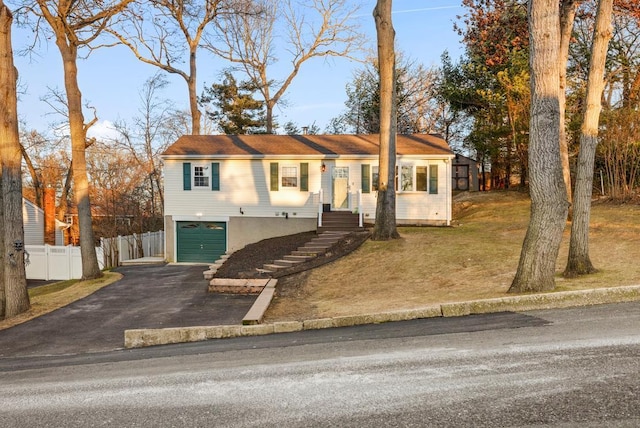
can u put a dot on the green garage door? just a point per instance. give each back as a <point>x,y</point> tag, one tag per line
<point>201,241</point>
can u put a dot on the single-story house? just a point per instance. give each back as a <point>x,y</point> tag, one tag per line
<point>223,192</point>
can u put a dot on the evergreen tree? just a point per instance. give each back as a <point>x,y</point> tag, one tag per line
<point>234,110</point>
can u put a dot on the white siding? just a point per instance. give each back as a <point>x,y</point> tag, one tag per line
<point>244,184</point>
<point>413,207</point>
<point>33,221</point>
<point>420,206</point>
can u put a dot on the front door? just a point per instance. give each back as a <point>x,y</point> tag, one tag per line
<point>340,188</point>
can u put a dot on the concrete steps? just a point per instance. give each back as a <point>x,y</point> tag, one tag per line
<point>310,250</point>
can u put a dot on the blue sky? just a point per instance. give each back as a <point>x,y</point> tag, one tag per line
<point>111,78</point>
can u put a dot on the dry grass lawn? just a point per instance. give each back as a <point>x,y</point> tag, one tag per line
<point>48,298</point>
<point>475,259</point>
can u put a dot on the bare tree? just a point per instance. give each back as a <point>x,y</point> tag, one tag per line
<point>579,261</point>
<point>549,205</point>
<point>14,298</point>
<point>322,28</point>
<point>148,136</point>
<point>159,32</point>
<point>76,25</point>
<point>45,161</point>
<point>416,97</point>
<point>385,226</point>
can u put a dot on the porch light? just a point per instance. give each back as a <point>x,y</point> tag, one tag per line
<point>323,168</point>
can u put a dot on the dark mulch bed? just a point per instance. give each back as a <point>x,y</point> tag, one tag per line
<point>245,262</point>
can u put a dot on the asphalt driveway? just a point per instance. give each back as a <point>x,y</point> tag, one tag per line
<point>148,296</point>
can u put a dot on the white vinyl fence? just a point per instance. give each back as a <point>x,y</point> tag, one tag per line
<point>50,262</point>
<point>136,246</point>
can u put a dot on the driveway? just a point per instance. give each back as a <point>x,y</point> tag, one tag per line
<point>148,296</point>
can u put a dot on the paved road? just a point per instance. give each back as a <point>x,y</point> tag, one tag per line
<point>566,368</point>
<point>151,296</point>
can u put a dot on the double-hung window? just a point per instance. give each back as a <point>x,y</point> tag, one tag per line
<point>421,178</point>
<point>375,178</point>
<point>289,176</point>
<point>406,178</point>
<point>200,176</point>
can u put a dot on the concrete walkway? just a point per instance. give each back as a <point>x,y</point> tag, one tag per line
<point>148,296</point>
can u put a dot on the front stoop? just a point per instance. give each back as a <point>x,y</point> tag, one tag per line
<point>237,286</point>
<point>310,250</point>
<point>339,221</point>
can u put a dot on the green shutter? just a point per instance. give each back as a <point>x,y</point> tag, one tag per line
<point>433,179</point>
<point>366,178</point>
<point>274,176</point>
<point>215,176</point>
<point>186,176</point>
<point>304,177</point>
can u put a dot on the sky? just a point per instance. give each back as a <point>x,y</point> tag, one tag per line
<point>110,79</point>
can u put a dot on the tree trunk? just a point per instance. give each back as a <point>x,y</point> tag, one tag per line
<point>385,225</point>
<point>269,117</point>
<point>90,267</point>
<point>14,298</point>
<point>567,17</point>
<point>579,262</point>
<point>549,205</point>
<point>193,96</point>
<point>3,300</point>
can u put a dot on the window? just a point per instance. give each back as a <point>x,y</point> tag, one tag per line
<point>406,178</point>
<point>433,179</point>
<point>421,178</point>
<point>200,176</point>
<point>281,177</point>
<point>375,178</point>
<point>289,176</point>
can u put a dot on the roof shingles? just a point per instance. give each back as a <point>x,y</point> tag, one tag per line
<point>303,145</point>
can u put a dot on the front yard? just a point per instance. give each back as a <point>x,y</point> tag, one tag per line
<point>477,258</point>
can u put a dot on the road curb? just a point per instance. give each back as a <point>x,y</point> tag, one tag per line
<point>139,338</point>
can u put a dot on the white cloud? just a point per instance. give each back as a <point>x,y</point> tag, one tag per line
<point>102,130</point>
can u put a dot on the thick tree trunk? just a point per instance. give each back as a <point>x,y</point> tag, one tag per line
<point>567,17</point>
<point>385,225</point>
<point>90,267</point>
<point>14,298</point>
<point>579,262</point>
<point>549,204</point>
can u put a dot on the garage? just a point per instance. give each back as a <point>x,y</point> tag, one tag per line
<point>201,242</point>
